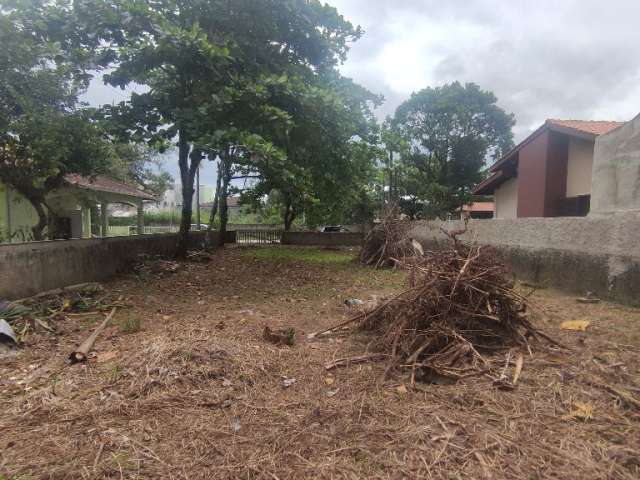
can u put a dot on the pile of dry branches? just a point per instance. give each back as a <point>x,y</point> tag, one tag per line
<point>388,242</point>
<point>45,309</point>
<point>460,304</point>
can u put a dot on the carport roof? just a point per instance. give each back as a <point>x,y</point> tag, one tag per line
<point>102,183</point>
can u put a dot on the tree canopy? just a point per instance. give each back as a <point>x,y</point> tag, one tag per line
<point>213,70</point>
<point>252,85</point>
<point>44,134</point>
<point>451,131</point>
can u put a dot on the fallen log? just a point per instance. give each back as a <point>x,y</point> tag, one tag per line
<point>82,352</point>
<point>80,288</point>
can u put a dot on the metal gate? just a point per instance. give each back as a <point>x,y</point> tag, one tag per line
<point>259,236</point>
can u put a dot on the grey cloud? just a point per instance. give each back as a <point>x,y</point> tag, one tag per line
<point>543,59</point>
<point>570,59</point>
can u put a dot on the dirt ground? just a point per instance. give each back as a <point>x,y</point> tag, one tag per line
<point>183,386</point>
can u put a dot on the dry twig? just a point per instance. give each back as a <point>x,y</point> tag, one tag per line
<point>388,242</point>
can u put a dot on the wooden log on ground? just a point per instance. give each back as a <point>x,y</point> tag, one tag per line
<point>81,353</point>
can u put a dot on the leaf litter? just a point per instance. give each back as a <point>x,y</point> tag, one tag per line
<point>187,399</point>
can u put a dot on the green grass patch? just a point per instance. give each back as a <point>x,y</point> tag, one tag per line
<point>310,255</point>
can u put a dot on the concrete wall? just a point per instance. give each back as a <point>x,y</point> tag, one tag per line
<point>579,167</point>
<point>29,268</point>
<point>322,239</point>
<point>576,254</point>
<point>616,170</point>
<point>506,199</point>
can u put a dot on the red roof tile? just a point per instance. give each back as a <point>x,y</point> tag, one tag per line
<point>101,183</point>
<point>478,207</point>
<point>594,127</point>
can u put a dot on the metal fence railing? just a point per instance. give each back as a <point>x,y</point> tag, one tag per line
<point>259,237</point>
<point>124,230</point>
<point>254,226</point>
<point>158,229</point>
<point>246,234</point>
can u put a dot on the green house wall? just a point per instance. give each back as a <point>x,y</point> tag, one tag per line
<point>17,215</point>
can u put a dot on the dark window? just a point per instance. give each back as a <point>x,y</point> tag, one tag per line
<point>575,206</point>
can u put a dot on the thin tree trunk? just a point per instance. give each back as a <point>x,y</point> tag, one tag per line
<point>216,197</point>
<point>289,215</point>
<point>214,210</point>
<point>187,176</point>
<point>43,219</point>
<point>224,192</point>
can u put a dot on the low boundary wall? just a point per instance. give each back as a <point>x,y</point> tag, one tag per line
<point>29,268</point>
<point>326,239</point>
<point>574,254</point>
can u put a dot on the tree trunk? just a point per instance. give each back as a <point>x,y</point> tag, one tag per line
<point>187,176</point>
<point>216,197</point>
<point>43,219</point>
<point>289,215</point>
<point>37,200</point>
<point>224,191</point>
<point>214,210</point>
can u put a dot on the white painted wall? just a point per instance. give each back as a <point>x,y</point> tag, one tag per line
<point>506,199</point>
<point>579,167</point>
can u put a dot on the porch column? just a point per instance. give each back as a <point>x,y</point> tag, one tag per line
<point>140,218</point>
<point>104,219</point>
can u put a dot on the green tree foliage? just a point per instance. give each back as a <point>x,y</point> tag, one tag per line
<point>203,60</point>
<point>44,133</point>
<point>329,149</point>
<point>451,131</point>
<point>135,163</point>
<point>163,46</point>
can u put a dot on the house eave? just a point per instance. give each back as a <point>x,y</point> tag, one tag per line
<point>488,186</point>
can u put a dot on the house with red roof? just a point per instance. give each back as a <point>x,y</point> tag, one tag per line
<point>549,173</point>
<point>476,210</point>
<point>73,204</point>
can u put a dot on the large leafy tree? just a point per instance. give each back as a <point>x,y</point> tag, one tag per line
<point>44,132</point>
<point>329,149</point>
<point>165,48</point>
<point>238,137</point>
<point>197,57</point>
<point>452,130</point>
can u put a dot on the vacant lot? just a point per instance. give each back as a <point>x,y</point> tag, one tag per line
<point>184,386</point>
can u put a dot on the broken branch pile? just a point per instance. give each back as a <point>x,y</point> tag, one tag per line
<point>46,308</point>
<point>460,304</point>
<point>388,242</point>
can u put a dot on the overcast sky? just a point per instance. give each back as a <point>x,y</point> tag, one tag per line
<point>569,59</point>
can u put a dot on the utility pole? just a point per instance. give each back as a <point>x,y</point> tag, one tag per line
<point>391,199</point>
<point>198,198</point>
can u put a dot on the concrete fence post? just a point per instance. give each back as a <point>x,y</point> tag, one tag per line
<point>140,218</point>
<point>104,219</point>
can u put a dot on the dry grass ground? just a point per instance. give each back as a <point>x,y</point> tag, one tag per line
<point>184,386</point>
